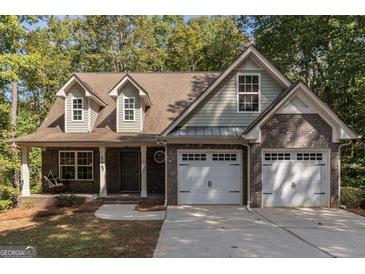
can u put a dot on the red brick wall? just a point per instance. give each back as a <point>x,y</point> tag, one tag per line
<point>50,162</point>
<point>294,131</point>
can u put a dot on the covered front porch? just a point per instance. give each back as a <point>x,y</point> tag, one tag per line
<point>124,172</point>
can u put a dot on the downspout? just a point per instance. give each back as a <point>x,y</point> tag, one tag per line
<point>248,205</point>
<point>339,168</point>
<point>165,204</point>
<point>165,145</point>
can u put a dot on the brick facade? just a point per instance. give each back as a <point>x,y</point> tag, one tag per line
<point>294,131</point>
<point>155,172</point>
<point>50,162</point>
<point>172,187</point>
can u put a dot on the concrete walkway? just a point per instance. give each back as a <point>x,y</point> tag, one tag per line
<point>231,231</point>
<point>127,213</point>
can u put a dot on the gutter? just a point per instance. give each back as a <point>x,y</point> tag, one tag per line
<point>165,145</point>
<point>339,168</point>
<point>248,205</point>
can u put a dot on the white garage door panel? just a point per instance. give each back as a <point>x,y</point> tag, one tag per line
<point>210,197</point>
<point>293,200</point>
<point>195,177</point>
<point>297,181</point>
<point>214,178</point>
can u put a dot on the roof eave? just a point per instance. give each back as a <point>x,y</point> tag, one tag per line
<point>142,92</point>
<point>88,92</point>
<point>249,50</point>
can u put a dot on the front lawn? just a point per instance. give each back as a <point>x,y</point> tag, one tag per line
<point>77,233</point>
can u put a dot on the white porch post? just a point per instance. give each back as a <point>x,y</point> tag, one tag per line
<point>25,172</point>
<point>143,171</point>
<point>103,190</point>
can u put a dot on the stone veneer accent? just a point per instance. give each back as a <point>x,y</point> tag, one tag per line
<point>172,149</point>
<point>294,131</point>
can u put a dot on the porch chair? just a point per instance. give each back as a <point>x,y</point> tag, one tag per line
<point>52,181</point>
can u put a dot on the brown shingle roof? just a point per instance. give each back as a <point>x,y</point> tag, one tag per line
<point>170,93</point>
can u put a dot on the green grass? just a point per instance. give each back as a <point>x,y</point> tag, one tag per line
<point>81,235</point>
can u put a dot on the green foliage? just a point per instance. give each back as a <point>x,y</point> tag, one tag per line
<point>352,197</point>
<point>8,197</point>
<point>327,53</point>
<point>66,199</point>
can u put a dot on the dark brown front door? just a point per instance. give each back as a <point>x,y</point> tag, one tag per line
<point>130,171</point>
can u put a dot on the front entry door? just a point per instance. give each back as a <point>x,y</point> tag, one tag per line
<point>130,171</point>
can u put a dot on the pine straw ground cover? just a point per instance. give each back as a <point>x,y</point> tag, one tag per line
<point>359,211</point>
<point>76,232</point>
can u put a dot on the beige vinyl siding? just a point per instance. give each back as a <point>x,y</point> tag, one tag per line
<point>76,126</point>
<point>220,107</point>
<point>129,126</point>
<point>94,109</point>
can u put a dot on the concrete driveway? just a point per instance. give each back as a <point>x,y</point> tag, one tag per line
<point>231,231</point>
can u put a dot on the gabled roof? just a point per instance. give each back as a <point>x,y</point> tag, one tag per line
<point>250,51</point>
<point>88,90</point>
<point>171,92</point>
<point>345,132</point>
<point>128,78</point>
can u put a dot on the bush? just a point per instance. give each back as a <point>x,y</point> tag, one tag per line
<point>8,197</point>
<point>66,199</point>
<point>352,197</point>
<point>5,204</point>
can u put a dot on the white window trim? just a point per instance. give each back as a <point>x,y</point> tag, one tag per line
<point>134,108</point>
<point>82,109</point>
<point>76,165</point>
<point>238,93</point>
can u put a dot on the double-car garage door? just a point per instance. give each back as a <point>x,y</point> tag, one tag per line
<point>210,177</point>
<point>289,178</point>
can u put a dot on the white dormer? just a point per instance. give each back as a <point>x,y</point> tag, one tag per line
<point>81,105</point>
<point>131,103</point>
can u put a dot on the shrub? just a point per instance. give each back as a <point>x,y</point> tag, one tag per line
<point>66,199</point>
<point>5,204</point>
<point>352,196</point>
<point>8,197</point>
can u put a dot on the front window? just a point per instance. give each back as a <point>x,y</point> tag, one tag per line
<point>248,93</point>
<point>129,105</point>
<point>76,165</point>
<point>77,109</point>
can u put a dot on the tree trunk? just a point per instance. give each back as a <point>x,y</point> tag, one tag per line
<point>14,105</point>
<point>13,114</point>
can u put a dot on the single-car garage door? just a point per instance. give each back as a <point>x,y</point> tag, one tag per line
<point>209,177</point>
<point>294,179</point>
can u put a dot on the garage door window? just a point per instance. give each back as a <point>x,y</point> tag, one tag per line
<point>277,156</point>
<point>194,157</point>
<point>309,156</point>
<point>224,157</point>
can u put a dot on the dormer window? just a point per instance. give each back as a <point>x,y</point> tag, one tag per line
<point>248,92</point>
<point>129,108</point>
<point>77,110</point>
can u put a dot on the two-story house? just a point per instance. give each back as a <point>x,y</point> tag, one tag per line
<point>244,135</point>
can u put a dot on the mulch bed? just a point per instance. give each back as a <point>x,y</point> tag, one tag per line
<point>148,208</point>
<point>358,211</point>
<point>19,213</point>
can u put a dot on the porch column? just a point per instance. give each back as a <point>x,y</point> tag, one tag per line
<point>25,172</point>
<point>103,190</point>
<point>143,171</point>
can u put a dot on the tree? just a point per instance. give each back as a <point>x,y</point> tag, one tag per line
<point>12,61</point>
<point>327,53</point>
